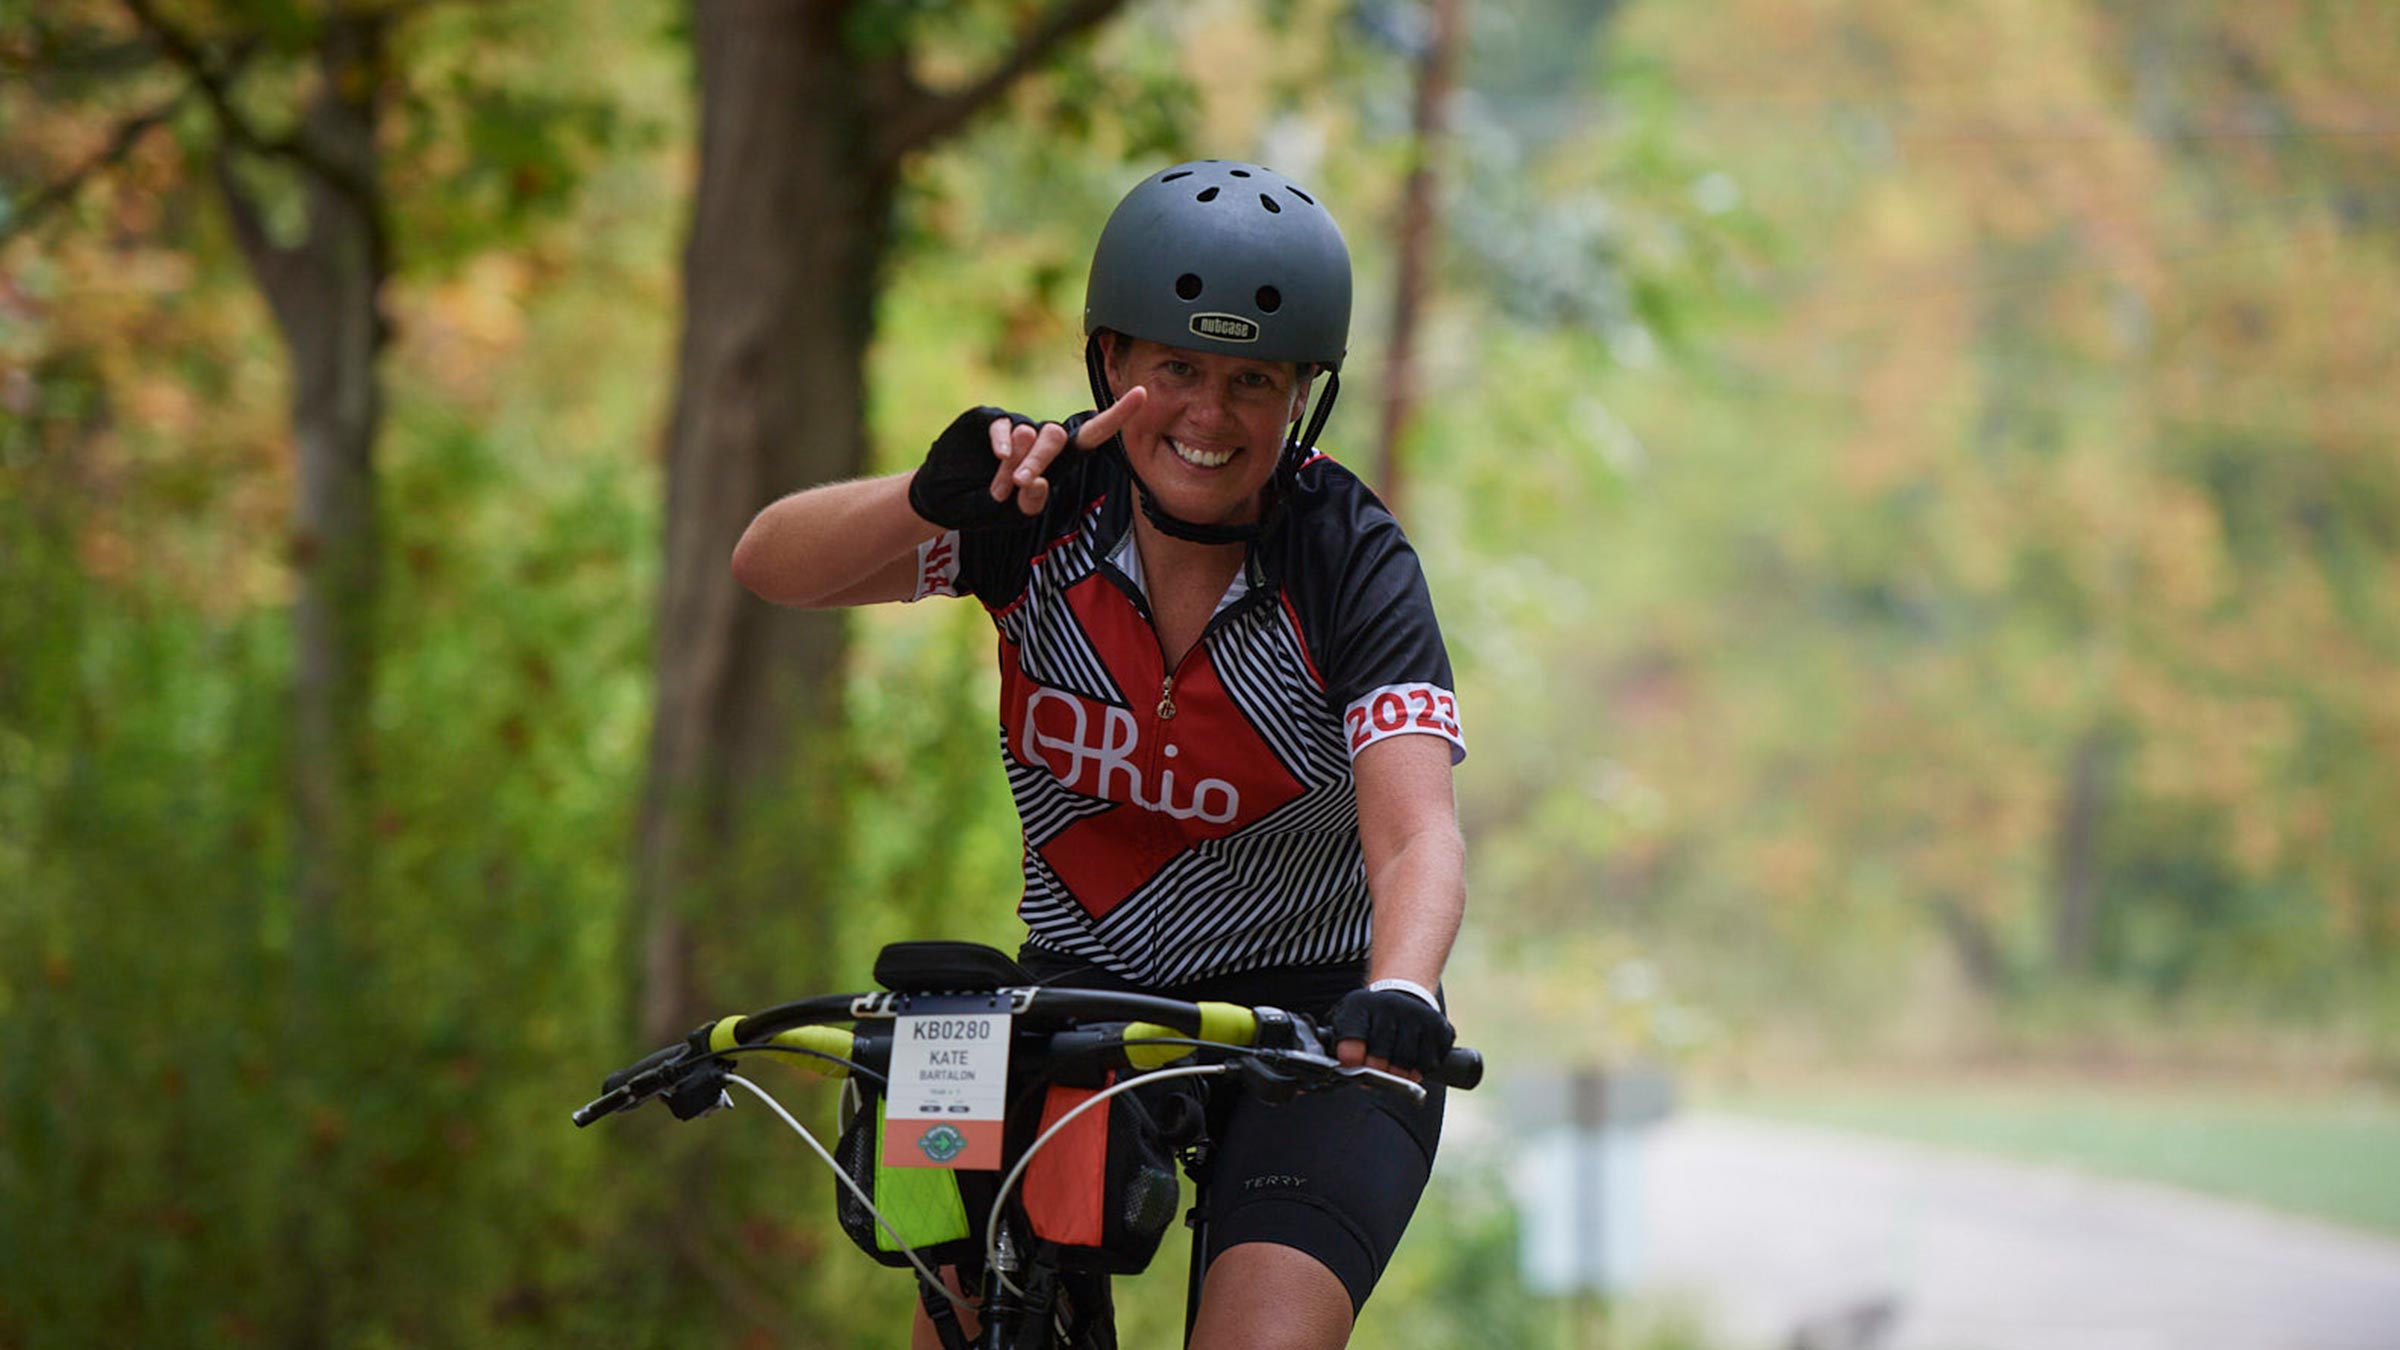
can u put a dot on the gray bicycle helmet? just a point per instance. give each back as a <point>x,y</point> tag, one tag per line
<point>1221,256</point>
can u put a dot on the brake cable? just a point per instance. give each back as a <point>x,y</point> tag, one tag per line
<point>924,1272</point>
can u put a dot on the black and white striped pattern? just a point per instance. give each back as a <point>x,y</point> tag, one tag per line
<point>1286,889</point>
<point>1058,653</point>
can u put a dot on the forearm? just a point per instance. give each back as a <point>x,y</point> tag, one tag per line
<point>1420,898</point>
<point>833,544</point>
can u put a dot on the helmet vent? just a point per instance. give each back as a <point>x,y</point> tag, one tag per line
<point>1269,203</point>
<point>1187,286</point>
<point>1239,173</point>
<point>1179,173</point>
<point>1269,299</point>
<point>1208,194</point>
<point>1301,195</point>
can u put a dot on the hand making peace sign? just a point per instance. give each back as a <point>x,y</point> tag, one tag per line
<point>960,487</point>
<point>1025,451</point>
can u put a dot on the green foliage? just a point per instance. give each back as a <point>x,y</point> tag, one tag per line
<point>883,30</point>
<point>173,1083</point>
<point>1462,1289</point>
<point>1140,97</point>
<point>1040,180</point>
<point>1972,458</point>
<point>504,112</point>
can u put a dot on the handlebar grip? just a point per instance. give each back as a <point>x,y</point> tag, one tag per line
<point>608,1104</point>
<point>1461,1068</point>
<point>643,1065</point>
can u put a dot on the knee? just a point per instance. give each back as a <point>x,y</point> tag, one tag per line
<point>1260,1296</point>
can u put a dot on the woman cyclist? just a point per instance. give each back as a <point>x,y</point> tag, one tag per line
<point>1225,706</point>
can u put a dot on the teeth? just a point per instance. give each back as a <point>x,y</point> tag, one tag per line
<point>1206,459</point>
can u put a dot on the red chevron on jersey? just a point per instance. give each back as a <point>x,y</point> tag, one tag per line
<point>1172,781</point>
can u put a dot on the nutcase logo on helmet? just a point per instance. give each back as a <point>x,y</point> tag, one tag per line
<point>1225,327</point>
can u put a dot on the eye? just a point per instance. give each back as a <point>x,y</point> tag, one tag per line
<point>1181,370</point>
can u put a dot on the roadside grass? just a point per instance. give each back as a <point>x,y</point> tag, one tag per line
<point>2330,1155</point>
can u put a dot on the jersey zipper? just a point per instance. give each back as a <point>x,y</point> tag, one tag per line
<point>1141,606</point>
<point>1166,686</point>
<point>1153,767</point>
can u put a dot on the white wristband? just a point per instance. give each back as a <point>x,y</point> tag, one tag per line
<point>1411,986</point>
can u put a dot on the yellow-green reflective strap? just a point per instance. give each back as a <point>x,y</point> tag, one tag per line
<point>921,1203</point>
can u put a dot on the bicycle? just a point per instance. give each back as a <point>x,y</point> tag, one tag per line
<point>1030,1297</point>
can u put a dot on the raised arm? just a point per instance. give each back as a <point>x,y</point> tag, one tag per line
<point>855,543</point>
<point>848,543</point>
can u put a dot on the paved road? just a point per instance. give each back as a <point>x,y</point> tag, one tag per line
<point>1771,1226</point>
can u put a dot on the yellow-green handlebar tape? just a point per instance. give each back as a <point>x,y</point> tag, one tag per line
<point>720,1036</point>
<point>1228,1022</point>
<point>825,1041</point>
<point>1153,1056</point>
<point>1225,1023</point>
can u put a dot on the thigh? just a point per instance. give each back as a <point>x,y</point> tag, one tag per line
<point>1333,1174</point>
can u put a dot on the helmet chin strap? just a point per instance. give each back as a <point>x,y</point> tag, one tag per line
<point>1191,531</point>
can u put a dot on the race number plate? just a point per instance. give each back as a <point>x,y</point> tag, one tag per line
<point>949,1083</point>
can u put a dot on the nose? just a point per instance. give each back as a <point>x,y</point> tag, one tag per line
<point>1213,409</point>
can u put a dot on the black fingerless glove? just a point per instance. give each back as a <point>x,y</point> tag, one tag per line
<point>953,487</point>
<point>1396,1025</point>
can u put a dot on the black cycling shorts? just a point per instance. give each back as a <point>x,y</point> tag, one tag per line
<point>1333,1174</point>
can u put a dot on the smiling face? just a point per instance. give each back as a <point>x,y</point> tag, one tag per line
<point>1207,441</point>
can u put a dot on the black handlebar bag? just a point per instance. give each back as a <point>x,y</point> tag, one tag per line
<point>938,1211</point>
<point>1101,1193</point>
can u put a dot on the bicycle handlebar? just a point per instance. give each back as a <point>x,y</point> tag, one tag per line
<point>1156,1031</point>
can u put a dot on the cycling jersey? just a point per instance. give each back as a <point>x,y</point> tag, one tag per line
<point>1199,821</point>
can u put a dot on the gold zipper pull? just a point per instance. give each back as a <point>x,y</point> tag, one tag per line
<point>1166,698</point>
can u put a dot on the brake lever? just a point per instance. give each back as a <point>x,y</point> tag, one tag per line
<point>606,1104</point>
<point>694,1087</point>
<point>1263,1074</point>
<point>1386,1082</point>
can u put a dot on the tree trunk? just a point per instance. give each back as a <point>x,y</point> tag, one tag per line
<point>325,293</point>
<point>801,135</point>
<point>2075,917</point>
<point>1972,942</point>
<point>1419,229</point>
<point>780,272</point>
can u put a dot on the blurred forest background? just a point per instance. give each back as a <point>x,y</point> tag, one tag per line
<point>1910,490</point>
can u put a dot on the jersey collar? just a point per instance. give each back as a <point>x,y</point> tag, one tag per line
<point>1127,559</point>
